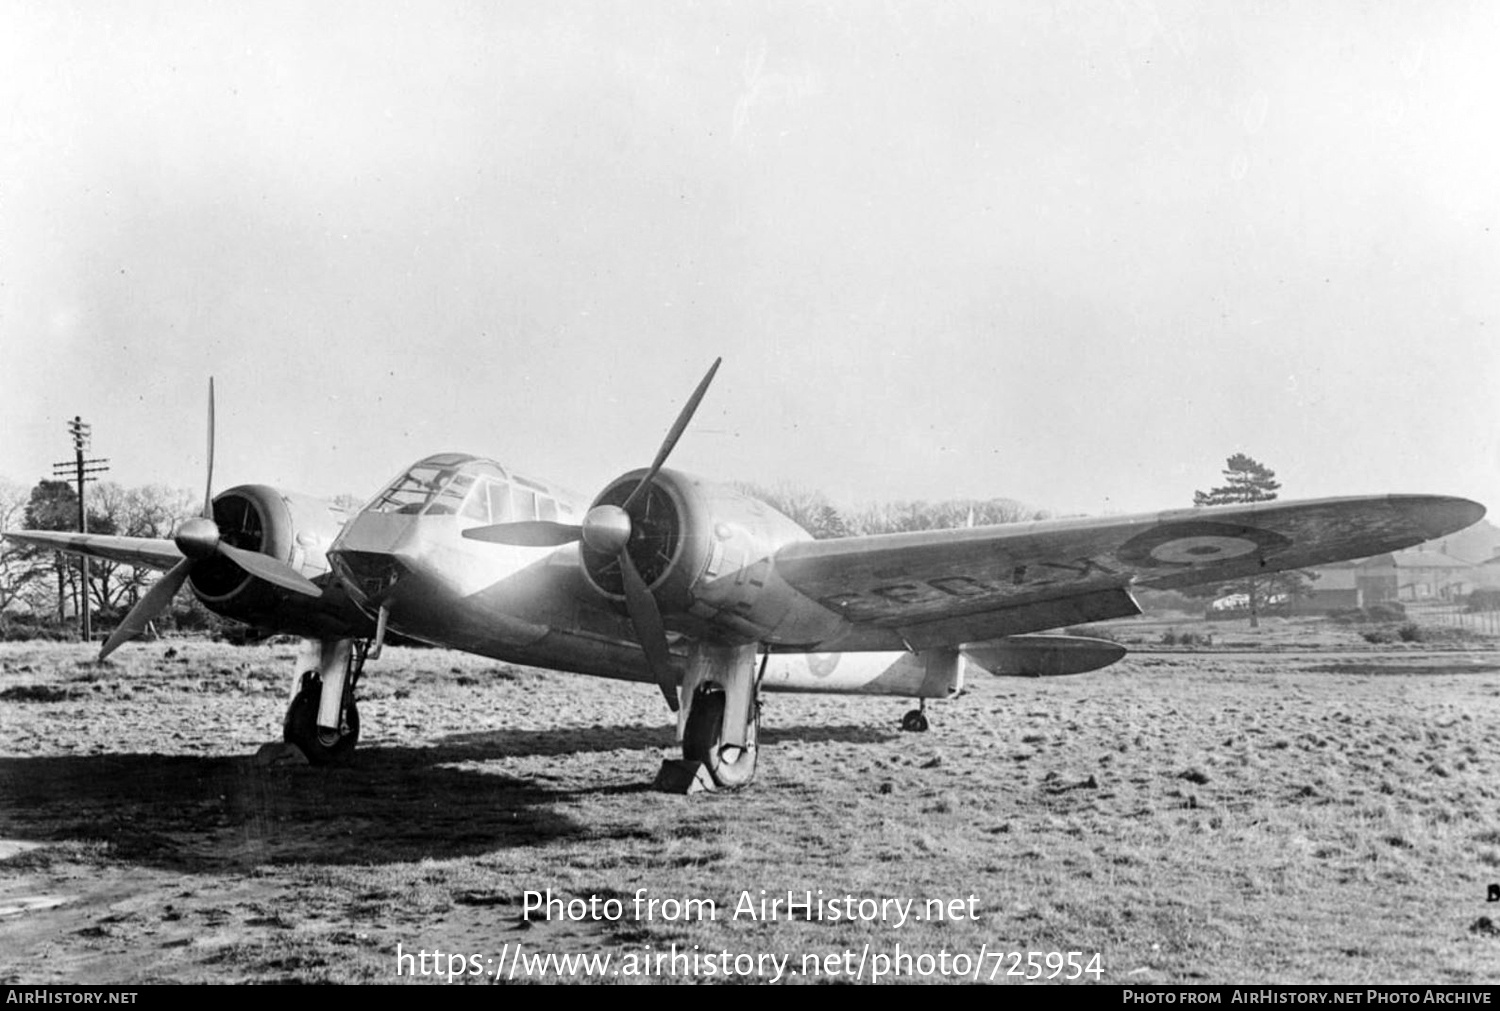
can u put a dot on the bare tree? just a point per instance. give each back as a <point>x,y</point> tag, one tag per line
<point>107,505</point>
<point>899,517</point>
<point>809,509</point>
<point>155,510</point>
<point>818,516</point>
<point>346,502</point>
<point>151,510</point>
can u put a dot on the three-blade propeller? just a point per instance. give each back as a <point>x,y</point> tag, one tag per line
<point>199,540</point>
<point>607,529</point>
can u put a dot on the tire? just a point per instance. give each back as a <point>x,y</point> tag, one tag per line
<point>702,742</point>
<point>301,725</point>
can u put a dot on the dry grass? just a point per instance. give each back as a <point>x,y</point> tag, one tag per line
<point>1318,813</point>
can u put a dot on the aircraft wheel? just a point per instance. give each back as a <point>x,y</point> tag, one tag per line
<point>322,747</point>
<point>914,721</point>
<point>730,766</point>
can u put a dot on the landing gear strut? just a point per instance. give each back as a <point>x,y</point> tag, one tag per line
<point>718,720</point>
<point>731,766</point>
<point>323,740</point>
<point>915,721</point>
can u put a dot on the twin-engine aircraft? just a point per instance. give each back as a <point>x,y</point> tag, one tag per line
<point>704,591</point>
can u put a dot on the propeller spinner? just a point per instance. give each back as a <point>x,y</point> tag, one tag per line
<point>200,540</point>
<point>607,529</point>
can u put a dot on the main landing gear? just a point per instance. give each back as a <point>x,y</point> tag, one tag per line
<point>718,721</point>
<point>322,719</point>
<point>731,765</point>
<point>915,721</point>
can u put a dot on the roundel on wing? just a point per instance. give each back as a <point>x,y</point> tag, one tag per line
<point>1198,542</point>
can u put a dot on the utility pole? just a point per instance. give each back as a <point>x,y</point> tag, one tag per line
<point>82,470</point>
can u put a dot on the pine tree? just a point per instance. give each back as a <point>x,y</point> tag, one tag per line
<point>1247,480</point>
<point>54,506</point>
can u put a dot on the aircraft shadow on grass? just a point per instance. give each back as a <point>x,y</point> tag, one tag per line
<point>398,804</point>
<point>202,813</point>
<point>502,743</point>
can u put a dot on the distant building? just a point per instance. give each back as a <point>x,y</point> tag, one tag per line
<point>1476,544</point>
<point>1414,575</point>
<point>1487,573</point>
<point>1337,588</point>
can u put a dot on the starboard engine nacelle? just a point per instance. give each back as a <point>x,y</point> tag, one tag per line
<point>703,550</point>
<point>290,527</point>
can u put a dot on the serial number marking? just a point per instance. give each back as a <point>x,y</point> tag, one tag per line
<point>909,593</point>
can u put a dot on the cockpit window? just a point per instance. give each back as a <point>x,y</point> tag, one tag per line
<point>450,495</point>
<point>474,489</point>
<point>476,506</point>
<point>445,484</point>
<point>412,490</point>
<point>499,496</point>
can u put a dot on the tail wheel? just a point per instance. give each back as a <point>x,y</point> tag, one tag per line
<point>730,765</point>
<point>321,746</point>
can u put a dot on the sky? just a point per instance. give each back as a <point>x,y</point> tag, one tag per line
<point>1067,253</point>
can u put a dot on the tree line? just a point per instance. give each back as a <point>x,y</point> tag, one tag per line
<point>815,513</point>
<point>41,582</point>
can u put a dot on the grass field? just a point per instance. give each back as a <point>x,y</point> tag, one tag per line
<point>1316,811</point>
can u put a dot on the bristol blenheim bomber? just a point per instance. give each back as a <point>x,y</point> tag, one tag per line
<point>706,592</point>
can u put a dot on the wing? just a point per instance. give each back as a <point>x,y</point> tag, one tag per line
<point>144,551</point>
<point>949,587</point>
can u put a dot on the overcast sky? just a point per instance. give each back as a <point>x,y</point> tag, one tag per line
<point>1067,253</point>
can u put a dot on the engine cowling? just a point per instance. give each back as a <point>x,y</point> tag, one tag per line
<point>291,527</point>
<point>703,550</point>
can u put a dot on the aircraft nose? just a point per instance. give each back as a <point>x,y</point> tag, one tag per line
<point>1438,515</point>
<point>368,574</point>
<point>372,553</point>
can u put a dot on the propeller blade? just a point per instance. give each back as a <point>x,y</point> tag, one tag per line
<point>153,603</point>
<point>678,427</point>
<point>270,569</point>
<point>646,617</point>
<point>208,486</point>
<point>527,533</point>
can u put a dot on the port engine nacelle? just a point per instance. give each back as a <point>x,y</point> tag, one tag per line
<point>292,528</point>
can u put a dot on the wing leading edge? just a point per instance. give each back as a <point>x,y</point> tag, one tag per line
<point>949,587</point>
<point>146,551</point>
